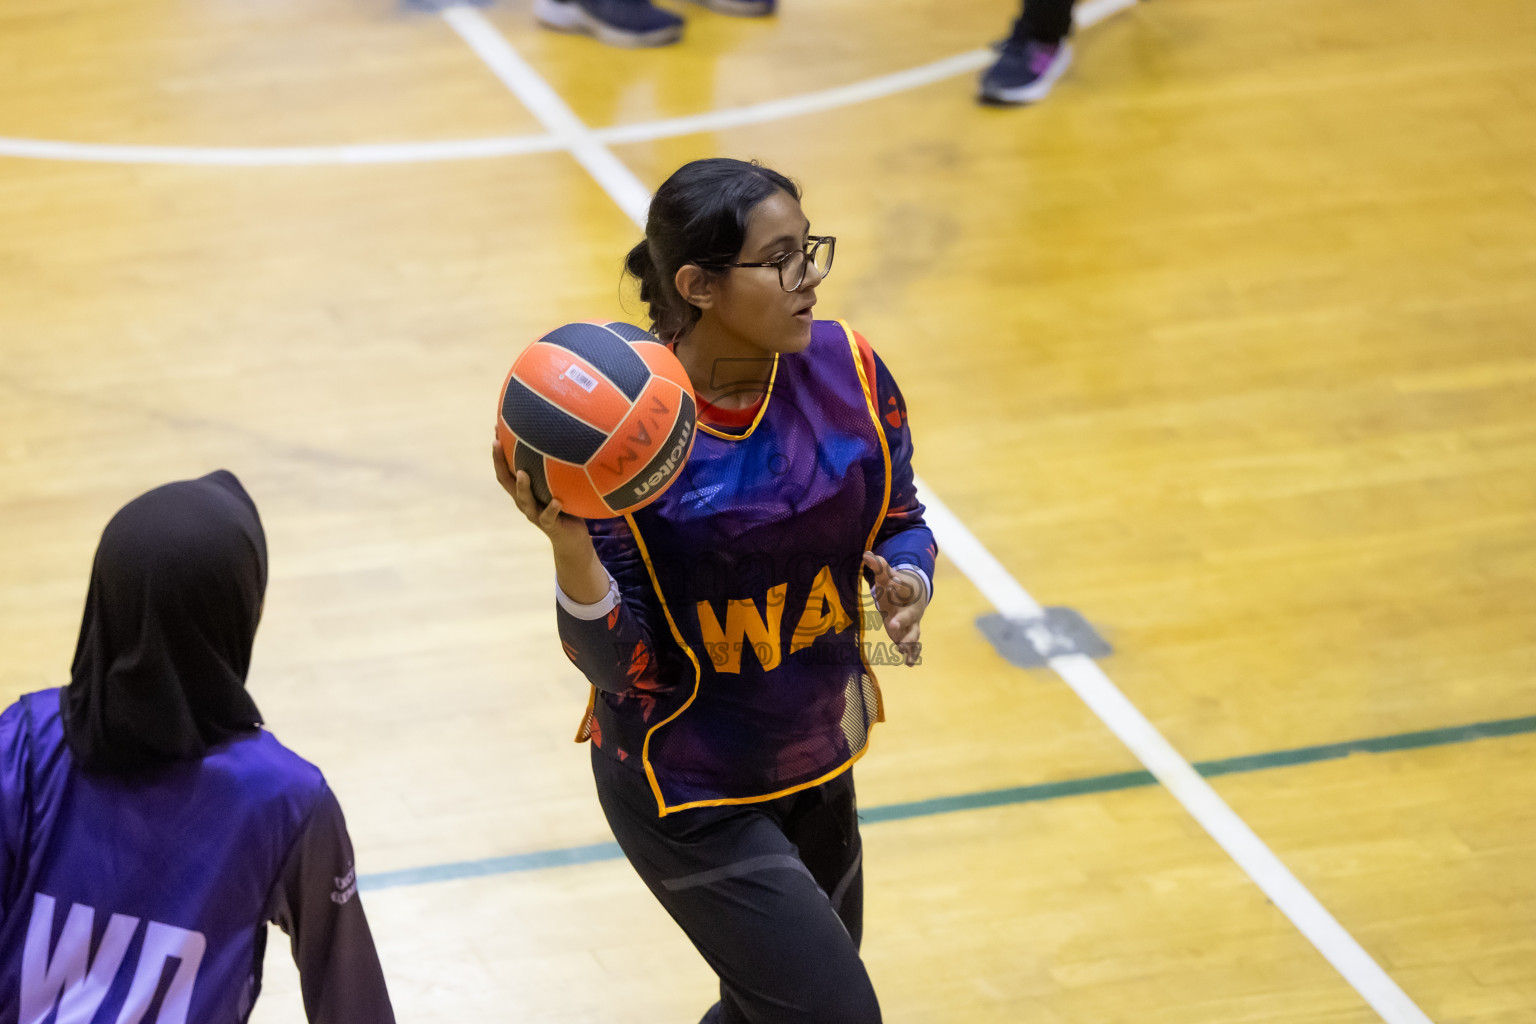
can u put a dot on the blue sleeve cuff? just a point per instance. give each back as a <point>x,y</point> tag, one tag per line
<point>911,549</point>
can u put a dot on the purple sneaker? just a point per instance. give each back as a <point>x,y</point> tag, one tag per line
<point>1025,70</point>
<point>615,22</point>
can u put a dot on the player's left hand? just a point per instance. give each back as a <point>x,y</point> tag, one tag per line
<point>902,598</point>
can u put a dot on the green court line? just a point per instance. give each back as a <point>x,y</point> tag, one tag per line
<point>993,798</point>
<point>1004,797</point>
<point>1209,769</point>
<point>1380,745</point>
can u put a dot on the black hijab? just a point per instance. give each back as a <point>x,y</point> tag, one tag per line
<point>176,593</point>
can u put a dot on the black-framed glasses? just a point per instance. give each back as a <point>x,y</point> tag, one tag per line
<point>792,265</point>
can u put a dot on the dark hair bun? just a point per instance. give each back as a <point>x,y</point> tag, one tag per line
<point>641,267</point>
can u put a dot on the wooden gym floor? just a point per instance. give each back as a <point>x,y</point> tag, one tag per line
<point>1230,346</point>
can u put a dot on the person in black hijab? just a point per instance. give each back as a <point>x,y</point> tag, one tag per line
<point>170,617</point>
<point>144,805</point>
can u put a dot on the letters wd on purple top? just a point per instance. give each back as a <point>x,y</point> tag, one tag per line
<point>139,899</point>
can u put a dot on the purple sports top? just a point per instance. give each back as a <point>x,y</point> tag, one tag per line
<point>146,899</point>
<point>735,667</point>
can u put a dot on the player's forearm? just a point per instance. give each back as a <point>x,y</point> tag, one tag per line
<point>579,572</point>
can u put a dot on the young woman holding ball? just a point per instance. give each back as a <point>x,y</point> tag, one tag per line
<point>721,625</point>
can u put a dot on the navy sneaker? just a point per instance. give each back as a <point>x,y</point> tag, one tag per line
<point>741,8</point>
<point>1025,70</point>
<point>615,22</point>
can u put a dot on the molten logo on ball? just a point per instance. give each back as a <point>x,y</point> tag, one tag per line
<point>599,415</point>
<point>664,474</point>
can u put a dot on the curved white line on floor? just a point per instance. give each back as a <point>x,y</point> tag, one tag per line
<point>1087,13</point>
<point>1090,12</point>
<point>795,106</point>
<point>514,145</point>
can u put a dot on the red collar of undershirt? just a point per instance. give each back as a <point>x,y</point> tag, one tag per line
<point>717,416</point>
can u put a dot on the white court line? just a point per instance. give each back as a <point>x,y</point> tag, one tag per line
<point>506,62</point>
<point>796,106</point>
<point>1091,12</point>
<point>1242,844</point>
<point>1084,15</point>
<point>1085,677</point>
<point>978,564</point>
<point>546,105</point>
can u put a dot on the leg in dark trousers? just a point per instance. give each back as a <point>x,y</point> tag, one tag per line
<point>1046,21</point>
<point>771,894</point>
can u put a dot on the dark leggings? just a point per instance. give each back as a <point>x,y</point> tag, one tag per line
<point>771,894</point>
<point>1047,21</point>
